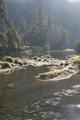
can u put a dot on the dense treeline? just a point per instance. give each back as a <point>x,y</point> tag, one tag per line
<point>9,38</point>
<point>42,32</point>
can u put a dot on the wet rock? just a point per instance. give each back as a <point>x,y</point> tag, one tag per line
<point>6,65</point>
<point>13,64</point>
<point>39,59</point>
<point>47,56</point>
<point>48,75</point>
<point>35,58</point>
<point>8,59</point>
<point>42,77</point>
<point>61,64</point>
<point>44,60</point>
<point>24,61</point>
<point>18,61</point>
<point>66,63</point>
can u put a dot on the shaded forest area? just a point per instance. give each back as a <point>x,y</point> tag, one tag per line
<point>41,32</point>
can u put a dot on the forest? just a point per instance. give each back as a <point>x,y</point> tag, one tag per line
<point>39,60</point>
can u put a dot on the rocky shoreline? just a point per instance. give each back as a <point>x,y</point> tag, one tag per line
<point>57,69</point>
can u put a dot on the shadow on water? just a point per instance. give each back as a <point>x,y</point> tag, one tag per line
<point>24,98</point>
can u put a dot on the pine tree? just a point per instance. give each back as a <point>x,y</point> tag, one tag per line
<point>38,27</point>
<point>23,25</point>
<point>23,29</point>
<point>51,29</point>
<point>7,27</point>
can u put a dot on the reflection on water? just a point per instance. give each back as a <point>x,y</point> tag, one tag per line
<point>24,98</point>
<point>60,54</point>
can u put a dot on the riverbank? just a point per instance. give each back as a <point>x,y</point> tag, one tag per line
<point>57,69</point>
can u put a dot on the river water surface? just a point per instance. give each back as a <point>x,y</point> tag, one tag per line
<point>24,98</point>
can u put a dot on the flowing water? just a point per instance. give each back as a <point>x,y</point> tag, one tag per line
<point>24,98</point>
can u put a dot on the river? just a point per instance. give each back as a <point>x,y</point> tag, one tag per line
<point>24,98</point>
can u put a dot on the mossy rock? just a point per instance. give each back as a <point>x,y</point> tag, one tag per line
<point>39,59</point>
<point>18,61</point>
<point>8,59</point>
<point>44,60</point>
<point>47,56</point>
<point>48,75</point>
<point>24,61</point>
<point>12,64</point>
<point>35,58</point>
<point>76,59</point>
<point>42,76</point>
<point>61,64</point>
<point>66,63</point>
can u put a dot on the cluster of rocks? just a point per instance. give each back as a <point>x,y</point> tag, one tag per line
<point>64,69</point>
<point>57,67</point>
<point>9,62</point>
